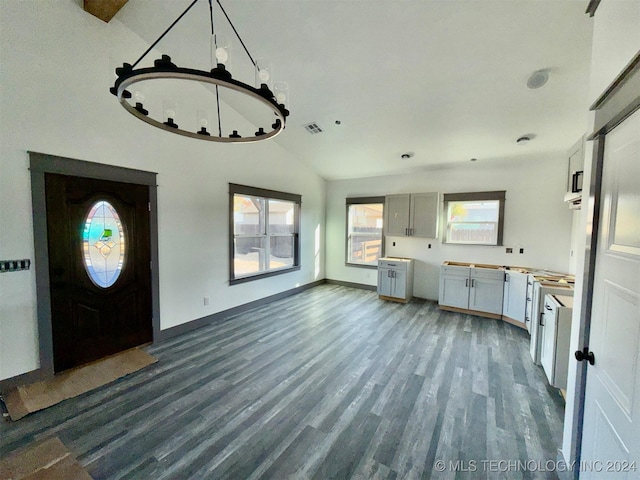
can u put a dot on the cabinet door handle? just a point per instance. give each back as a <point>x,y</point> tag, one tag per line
<point>411,231</point>
<point>473,283</point>
<point>547,307</point>
<point>406,232</point>
<point>466,282</point>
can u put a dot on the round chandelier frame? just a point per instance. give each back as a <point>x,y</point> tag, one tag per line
<point>219,77</point>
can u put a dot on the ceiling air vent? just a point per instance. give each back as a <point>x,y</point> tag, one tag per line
<point>312,128</point>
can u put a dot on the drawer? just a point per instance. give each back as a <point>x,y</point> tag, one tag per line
<point>396,265</point>
<point>457,271</point>
<point>491,273</point>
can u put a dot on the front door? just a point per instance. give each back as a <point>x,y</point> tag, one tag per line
<point>99,267</point>
<point>611,435</point>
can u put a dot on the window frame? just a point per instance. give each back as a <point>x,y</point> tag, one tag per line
<point>498,195</point>
<point>266,194</point>
<point>362,201</point>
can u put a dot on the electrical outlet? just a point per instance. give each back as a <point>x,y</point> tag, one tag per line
<point>522,250</point>
<point>429,246</point>
<point>509,250</point>
<point>394,244</point>
<point>206,300</point>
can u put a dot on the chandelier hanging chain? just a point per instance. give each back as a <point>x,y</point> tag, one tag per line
<point>213,34</point>
<point>165,32</point>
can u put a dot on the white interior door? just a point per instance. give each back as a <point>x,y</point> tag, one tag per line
<point>611,435</point>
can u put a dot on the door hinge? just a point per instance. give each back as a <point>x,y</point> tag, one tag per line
<point>151,265</point>
<point>149,205</point>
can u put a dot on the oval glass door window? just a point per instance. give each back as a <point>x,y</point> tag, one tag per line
<point>103,244</point>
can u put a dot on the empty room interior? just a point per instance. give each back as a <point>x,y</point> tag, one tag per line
<point>336,239</point>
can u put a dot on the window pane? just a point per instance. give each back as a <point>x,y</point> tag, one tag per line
<point>249,255</point>
<point>281,217</point>
<point>482,233</point>
<point>462,212</point>
<point>103,244</point>
<point>281,252</point>
<point>364,235</point>
<point>248,215</point>
<point>473,222</point>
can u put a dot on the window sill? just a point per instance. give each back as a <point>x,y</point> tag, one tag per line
<point>258,276</point>
<point>361,265</point>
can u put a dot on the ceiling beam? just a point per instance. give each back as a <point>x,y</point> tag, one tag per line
<point>103,9</point>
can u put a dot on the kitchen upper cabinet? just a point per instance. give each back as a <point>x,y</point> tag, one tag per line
<point>413,215</point>
<point>476,289</point>
<point>395,279</point>
<point>575,174</point>
<point>514,303</point>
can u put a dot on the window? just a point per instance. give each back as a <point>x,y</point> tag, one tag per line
<point>364,230</point>
<point>264,236</point>
<point>474,218</point>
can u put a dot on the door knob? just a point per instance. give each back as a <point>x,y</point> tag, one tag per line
<point>585,354</point>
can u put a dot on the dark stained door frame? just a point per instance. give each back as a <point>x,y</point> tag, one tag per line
<point>39,165</point>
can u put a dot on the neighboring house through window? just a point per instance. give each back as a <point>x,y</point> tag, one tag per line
<point>364,230</point>
<point>264,232</point>
<point>474,218</point>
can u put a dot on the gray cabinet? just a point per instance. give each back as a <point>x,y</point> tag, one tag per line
<point>395,278</point>
<point>554,353</point>
<point>477,289</point>
<point>454,286</point>
<point>514,302</point>
<point>414,214</point>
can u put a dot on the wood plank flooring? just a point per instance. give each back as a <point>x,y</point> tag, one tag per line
<point>331,383</point>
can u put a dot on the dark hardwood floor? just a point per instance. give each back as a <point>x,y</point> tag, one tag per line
<point>331,383</point>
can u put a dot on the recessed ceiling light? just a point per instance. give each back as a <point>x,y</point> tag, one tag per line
<point>538,78</point>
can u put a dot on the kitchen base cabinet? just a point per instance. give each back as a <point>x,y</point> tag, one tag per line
<point>471,289</point>
<point>554,354</point>
<point>395,279</point>
<point>514,303</point>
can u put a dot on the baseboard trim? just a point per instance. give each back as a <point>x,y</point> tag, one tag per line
<point>41,374</point>
<point>362,286</point>
<point>225,314</point>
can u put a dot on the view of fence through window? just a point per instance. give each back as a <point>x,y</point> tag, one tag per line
<point>264,231</point>
<point>364,233</point>
<point>473,222</point>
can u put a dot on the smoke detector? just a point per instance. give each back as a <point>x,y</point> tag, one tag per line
<point>538,79</point>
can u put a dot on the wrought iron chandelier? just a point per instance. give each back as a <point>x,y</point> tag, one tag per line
<point>129,78</point>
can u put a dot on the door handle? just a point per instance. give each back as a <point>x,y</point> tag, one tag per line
<point>585,354</point>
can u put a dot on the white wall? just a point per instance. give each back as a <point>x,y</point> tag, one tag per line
<point>54,80</point>
<point>616,40</point>
<point>536,218</point>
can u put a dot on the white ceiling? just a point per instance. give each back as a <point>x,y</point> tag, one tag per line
<point>442,79</point>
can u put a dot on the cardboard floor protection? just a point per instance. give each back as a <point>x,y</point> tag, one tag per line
<point>22,400</point>
<point>46,460</point>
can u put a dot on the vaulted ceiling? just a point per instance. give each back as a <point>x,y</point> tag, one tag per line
<point>444,81</point>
